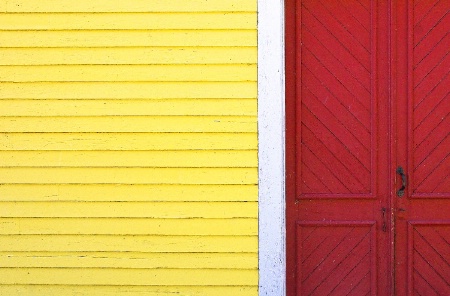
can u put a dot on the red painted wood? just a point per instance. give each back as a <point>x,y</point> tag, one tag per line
<point>367,90</point>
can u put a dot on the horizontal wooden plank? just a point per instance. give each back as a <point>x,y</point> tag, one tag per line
<point>129,226</point>
<point>127,90</point>
<point>158,210</point>
<point>127,21</point>
<point>128,260</point>
<point>116,276</point>
<point>129,175</point>
<point>128,141</point>
<point>130,124</point>
<point>71,290</point>
<point>128,38</point>
<point>113,192</point>
<point>128,56</point>
<point>187,107</point>
<point>128,73</point>
<point>235,158</point>
<point>128,243</point>
<point>127,6</point>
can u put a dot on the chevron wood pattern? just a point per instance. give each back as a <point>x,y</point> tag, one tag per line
<point>336,97</point>
<point>431,260</point>
<point>335,259</point>
<point>431,98</point>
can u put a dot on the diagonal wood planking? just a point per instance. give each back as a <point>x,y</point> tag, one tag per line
<point>336,97</point>
<point>431,267</point>
<point>431,96</point>
<point>335,260</point>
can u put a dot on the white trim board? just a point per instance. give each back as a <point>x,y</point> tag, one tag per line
<point>271,127</point>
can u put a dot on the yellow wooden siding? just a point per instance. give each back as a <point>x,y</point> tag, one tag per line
<point>128,147</point>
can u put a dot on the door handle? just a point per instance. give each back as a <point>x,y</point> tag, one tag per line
<point>401,191</point>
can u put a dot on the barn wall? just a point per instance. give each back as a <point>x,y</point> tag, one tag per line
<point>128,147</point>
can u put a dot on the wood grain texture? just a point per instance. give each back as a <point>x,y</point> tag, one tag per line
<point>121,38</point>
<point>128,260</point>
<point>132,209</point>
<point>117,276</point>
<point>72,290</point>
<point>127,141</point>
<point>99,107</point>
<point>129,73</point>
<point>129,6</point>
<point>126,193</point>
<point>128,243</point>
<point>127,90</point>
<point>130,124</point>
<point>128,226</point>
<point>128,21</point>
<point>157,159</point>
<point>128,147</point>
<point>129,175</point>
<point>128,55</point>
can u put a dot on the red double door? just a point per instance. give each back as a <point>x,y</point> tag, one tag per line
<point>368,193</point>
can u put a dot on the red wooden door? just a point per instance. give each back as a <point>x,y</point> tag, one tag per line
<point>422,122</point>
<point>367,92</point>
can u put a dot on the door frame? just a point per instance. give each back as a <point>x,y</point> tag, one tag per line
<point>271,148</point>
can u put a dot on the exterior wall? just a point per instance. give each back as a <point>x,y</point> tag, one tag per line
<point>128,147</point>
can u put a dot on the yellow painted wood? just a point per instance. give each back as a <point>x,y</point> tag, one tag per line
<point>129,260</point>
<point>186,107</point>
<point>129,73</point>
<point>128,147</point>
<point>114,192</point>
<point>158,210</point>
<point>128,243</point>
<point>127,90</point>
<point>121,38</point>
<point>45,290</point>
<point>127,21</point>
<point>127,141</point>
<point>137,124</point>
<point>128,55</point>
<point>128,226</point>
<point>201,158</point>
<point>117,276</point>
<point>129,175</point>
<point>128,6</point>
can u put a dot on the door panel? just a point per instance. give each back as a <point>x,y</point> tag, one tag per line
<point>341,140</point>
<point>336,99</point>
<point>422,216</point>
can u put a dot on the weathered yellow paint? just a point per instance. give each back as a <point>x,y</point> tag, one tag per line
<point>128,243</point>
<point>128,21</point>
<point>147,209</point>
<point>129,260</point>
<point>117,276</point>
<point>89,175</point>
<point>136,124</point>
<point>128,147</point>
<point>128,141</point>
<point>183,107</point>
<point>161,159</point>
<point>128,226</point>
<point>129,6</point>
<point>72,290</point>
<point>128,56</point>
<point>116,38</point>
<point>128,73</point>
<point>127,193</point>
<point>127,90</point>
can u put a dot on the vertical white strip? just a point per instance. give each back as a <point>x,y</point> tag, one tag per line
<point>271,125</point>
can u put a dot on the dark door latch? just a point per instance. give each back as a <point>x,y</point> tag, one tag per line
<point>401,191</point>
